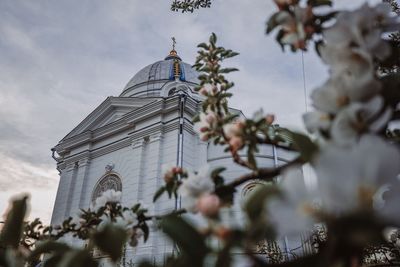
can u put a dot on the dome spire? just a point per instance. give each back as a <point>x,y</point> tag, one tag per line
<point>173,54</point>
<point>173,43</point>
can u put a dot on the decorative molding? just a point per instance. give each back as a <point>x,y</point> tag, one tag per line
<point>137,143</point>
<point>155,137</point>
<point>84,162</point>
<point>70,167</point>
<point>109,167</point>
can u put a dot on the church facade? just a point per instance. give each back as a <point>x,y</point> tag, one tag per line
<point>124,142</point>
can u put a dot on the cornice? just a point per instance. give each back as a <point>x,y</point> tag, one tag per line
<point>134,140</point>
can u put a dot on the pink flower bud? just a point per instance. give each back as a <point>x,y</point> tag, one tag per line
<point>168,177</point>
<point>177,170</point>
<point>223,233</point>
<point>203,91</point>
<point>270,118</point>
<point>210,118</point>
<point>204,137</point>
<point>236,143</point>
<point>208,205</point>
<point>204,129</point>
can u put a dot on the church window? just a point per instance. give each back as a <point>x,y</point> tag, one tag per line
<point>107,182</point>
<point>172,92</point>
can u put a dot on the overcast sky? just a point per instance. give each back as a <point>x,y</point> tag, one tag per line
<point>60,59</point>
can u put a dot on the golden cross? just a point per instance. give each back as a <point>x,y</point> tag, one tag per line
<point>173,43</point>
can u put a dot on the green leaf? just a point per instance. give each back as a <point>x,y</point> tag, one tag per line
<point>391,89</point>
<point>213,38</point>
<point>159,193</point>
<point>315,3</point>
<point>77,258</point>
<point>146,231</point>
<point>251,159</point>
<point>225,193</point>
<point>224,257</point>
<point>53,260</point>
<point>136,207</point>
<point>228,70</point>
<point>301,143</point>
<point>146,264</point>
<point>47,247</point>
<point>203,45</point>
<point>254,205</point>
<point>233,54</point>
<point>272,23</point>
<point>196,119</point>
<point>323,18</point>
<point>304,145</point>
<point>13,226</point>
<point>186,237</point>
<point>216,172</point>
<point>111,240</point>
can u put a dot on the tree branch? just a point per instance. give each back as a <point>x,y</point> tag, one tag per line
<point>265,174</point>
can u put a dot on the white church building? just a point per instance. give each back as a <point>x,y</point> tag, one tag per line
<point>124,142</point>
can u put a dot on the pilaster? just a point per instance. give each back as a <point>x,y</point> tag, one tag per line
<point>83,177</point>
<point>153,182</point>
<point>138,152</point>
<point>72,172</point>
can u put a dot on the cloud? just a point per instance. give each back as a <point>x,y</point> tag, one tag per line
<point>17,174</point>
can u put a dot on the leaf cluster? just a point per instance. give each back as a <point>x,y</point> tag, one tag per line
<point>189,5</point>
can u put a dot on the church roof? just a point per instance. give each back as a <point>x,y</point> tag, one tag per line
<point>149,80</point>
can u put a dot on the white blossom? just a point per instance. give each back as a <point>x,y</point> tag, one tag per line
<point>109,196</point>
<point>207,123</point>
<point>349,177</point>
<point>359,118</point>
<point>293,212</point>
<point>233,129</point>
<point>194,186</point>
<point>362,29</point>
<point>340,91</point>
<point>293,25</point>
<point>233,132</point>
<point>315,121</point>
<point>127,220</point>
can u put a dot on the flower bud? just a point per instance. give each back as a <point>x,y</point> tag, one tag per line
<point>208,205</point>
<point>168,177</point>
<point>210,118</point>
<point>177,170</point>
<point>204,137</point>
<point>203,91</point>
<point>235,143</point>
<point>270,118</point>
<point>223,232</point>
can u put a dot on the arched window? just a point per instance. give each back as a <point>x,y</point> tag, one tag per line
<point>172,92</point>
<point>248,188</point>
<point>107,182</point>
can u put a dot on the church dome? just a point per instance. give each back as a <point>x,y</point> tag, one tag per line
<point>150,80</point>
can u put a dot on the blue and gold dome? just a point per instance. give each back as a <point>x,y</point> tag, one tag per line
<point>150,80</point>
